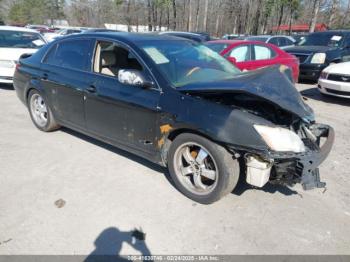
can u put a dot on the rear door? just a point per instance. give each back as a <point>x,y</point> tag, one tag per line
<point>65,76</point>
<point>119,112</point>
<point>263,55</point>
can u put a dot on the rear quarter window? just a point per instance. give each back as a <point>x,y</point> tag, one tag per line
<point>72,54</point>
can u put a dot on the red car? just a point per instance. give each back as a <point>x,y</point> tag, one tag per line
<point>250,55</point>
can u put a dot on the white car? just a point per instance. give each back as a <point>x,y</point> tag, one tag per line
<point>335,80</point>
<point>14,42</point>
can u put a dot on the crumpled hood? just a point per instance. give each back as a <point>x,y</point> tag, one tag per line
<point>269,83</point>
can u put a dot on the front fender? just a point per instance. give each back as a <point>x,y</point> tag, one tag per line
<point>223,124</point>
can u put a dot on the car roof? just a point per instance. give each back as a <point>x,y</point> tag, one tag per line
<point>16,28</point>
<point>179,32</point>
<point>231,42</point>
<point>260,36</point>
<point>238,42</point>
<point>127,37</point>
<point>226,41</point>
<point>193,36</point>
<point>333,32</point>
<point>38,26</point>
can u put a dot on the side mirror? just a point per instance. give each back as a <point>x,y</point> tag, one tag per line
<point>232,60</point>
<point>133,78</point>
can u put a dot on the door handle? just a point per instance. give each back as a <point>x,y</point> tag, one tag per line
<point>91,89</point>
<point>44,76</point>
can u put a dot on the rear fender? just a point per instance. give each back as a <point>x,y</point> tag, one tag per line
<point>34,84</point>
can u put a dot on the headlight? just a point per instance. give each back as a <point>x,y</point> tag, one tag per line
<point>280,139</point>
<point>7,64</point>
<point>318,58</point>
<point>323,75</point>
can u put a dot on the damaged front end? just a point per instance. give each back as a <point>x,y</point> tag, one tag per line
<point>295,145</point>
<point>290,168</point>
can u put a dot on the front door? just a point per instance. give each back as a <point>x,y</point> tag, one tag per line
<point>119,112</point>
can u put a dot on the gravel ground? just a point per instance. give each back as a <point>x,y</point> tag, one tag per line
<point>64,193</point>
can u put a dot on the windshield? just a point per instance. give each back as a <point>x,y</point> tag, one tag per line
<point>322,39</point>
<point>217,47</point>
<point>16,39</point>
<point>257,38</point>
<point>184,62</point>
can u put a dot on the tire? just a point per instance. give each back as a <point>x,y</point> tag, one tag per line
<point>208,188</point>
<point>42,117</point>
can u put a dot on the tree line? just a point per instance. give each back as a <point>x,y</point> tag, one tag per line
<point>216,17</point>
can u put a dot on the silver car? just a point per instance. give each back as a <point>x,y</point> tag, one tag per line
<point>282,41</point>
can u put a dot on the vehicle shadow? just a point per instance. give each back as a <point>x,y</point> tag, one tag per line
<point>306,81</point>
<point>120,152</point>
<point>7,86</point>
<point>315,94</point>
<point>109,243</point>
<point>241,187</point>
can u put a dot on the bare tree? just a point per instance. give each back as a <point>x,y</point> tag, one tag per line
<point>149,15</point>
<point>257,18</point>
<point>190,26</point>
<point>174,14</point>
<point>333,11</point>
<point>316,8</point>
<point>205,20</point>
<point>346,14</point>
<point>197,16</point>
<point>217,17</point>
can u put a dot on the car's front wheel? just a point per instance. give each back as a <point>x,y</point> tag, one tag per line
<point>201,169</point>
<point>40,112</point>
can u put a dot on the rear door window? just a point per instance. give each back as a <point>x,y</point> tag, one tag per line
<point>72,54</point>
<point>263,52</point>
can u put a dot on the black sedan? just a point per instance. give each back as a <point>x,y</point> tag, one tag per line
<point>318,50</point>
<point>179,104</point>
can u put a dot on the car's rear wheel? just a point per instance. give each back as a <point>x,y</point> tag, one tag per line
<point>40,112</point>
<point>201,169</point>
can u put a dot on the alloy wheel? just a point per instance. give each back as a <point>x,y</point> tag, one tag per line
<point>38,110</point>
<point>195,168</point>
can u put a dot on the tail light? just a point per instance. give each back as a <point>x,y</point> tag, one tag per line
<point>18,65</point>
